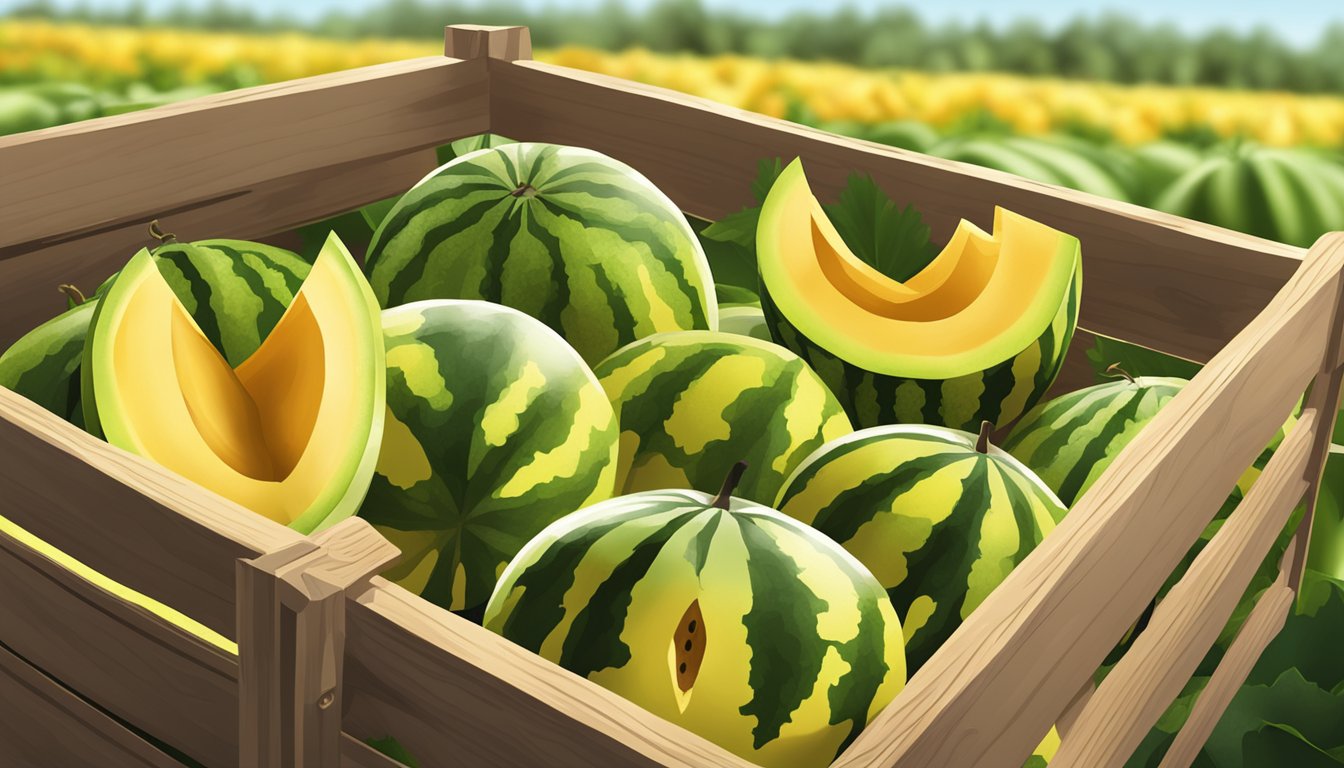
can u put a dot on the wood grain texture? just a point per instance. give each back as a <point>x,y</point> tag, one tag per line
<point>455,693</point>
<point>474,41</point>
<point>357,754</point>
<point>1187,621</point>
<point>291,644</point>
<point>28,294</point>
<point>73,180</point>
<point>1260,627</point>
<point>126,517</point>
<point>42,723</point>
<point>131,663</point>
<point>1158,280</point>
<point>1011,668</point>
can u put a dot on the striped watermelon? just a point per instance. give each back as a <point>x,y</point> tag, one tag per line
<point>938,515</point>
<point>744,320</point>
<point>43,366</point>
<point>693,402</point>
<point>999,393</point>
<point>720,615</point>
<point>1290,195</point>
<point>1072,439</point>
<point>495,427</point>
<point>574,238</point>
<point>1059,160</point>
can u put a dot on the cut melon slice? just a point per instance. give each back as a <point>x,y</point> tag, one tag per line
<point>291,433</point>
<point>979,333</point>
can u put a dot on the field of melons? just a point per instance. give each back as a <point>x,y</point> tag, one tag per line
<point>1261,162</point>
<point>752,503</point>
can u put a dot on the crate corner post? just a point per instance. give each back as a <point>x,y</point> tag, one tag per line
<point>475,41</point>
<point>291,643</point>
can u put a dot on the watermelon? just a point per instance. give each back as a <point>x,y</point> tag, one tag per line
<point>717,614</point>
<point>693,402</point>
<point>43,365</point>
<point>1290,195</point>
<point>939,516</point>
<point>494,428</point>
<point>1057,160</point>
<point>578,240</point>
<point>745,321</point>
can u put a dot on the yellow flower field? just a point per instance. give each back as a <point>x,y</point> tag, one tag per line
<point>164,58</point>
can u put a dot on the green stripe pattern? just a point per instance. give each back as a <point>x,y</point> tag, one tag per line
<point>1071,440</point>
<point>999,393</point>
<point>235,290</point>
<point>694,402</point>
<point>44,365</point>
<point>1289,195</point>
<point>937,522</point>
<point>745,321</point>
<point>494,428</point>
<point>792,644</point>
<point>578,240</point>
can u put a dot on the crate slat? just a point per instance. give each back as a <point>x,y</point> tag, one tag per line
<point>443,686</point>
<point>42,723</point>
<point>1168,283</point>
<point>125,517</point>
<point>994,688</point>
<point>30,279</point>
<point>86,177</point>
<point>1260,627</point>
<point>1187,621</point>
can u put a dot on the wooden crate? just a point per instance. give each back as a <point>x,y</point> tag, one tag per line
<point>298,654</point>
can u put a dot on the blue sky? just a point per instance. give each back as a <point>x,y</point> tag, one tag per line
<point>1298,21</point>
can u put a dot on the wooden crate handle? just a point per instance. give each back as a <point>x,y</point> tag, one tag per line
<point>474,41</point>
<point>291,643</point>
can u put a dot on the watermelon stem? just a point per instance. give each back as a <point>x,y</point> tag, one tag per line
<point>158,234</point>
<point>73,293</point>
<point>729,485</point>
<point>1113,370</point>
<point>982,442</point>
<point>525,190</point>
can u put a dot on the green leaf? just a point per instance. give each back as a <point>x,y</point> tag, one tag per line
<point>767,171</point>
<point>894,241</point>
<point>470,144</point>
<point>735,228</point>
<point>1291,702</point>
<point>1136,360</point>
<point>374,213</point>
<point>736,295</point>
<point>1277,744</point>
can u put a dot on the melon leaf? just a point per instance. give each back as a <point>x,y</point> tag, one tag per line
<point>893,240</point>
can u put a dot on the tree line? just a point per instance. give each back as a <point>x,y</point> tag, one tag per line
<point>1110,47</point>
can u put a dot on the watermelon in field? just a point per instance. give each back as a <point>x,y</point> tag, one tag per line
<point>693,402</point>
<point>578,240</point>
<point>1058,160</point>
<point>717,614</point>
<point>938,515</point>
<point>495,428</point>
<point>43,366</point>
<point>1290,195</point>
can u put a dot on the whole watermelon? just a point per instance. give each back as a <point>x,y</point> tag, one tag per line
<point>1290,195</point>
<point>938,515</point>
<point>720,615</point>
<point>1058,160</point>
<point>44,365</point>
<point>495,427</point>
<point>693,402</point>
<point>578,240</point>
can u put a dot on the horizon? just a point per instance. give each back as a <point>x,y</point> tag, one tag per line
<point>1296,23</point>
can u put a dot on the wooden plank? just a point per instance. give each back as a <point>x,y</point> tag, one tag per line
<point>127,517</point>
<point>73,180</point>
<point>1187,622</point>
<point>43,723</point>
<point>28,294</point>
<point>474,41</point>
<point>1158,280</point>
<point>1011,668</point>
<point>1264,623</point>
<point>442,686</point>
<point>135,665</point>
<point>291,642</point>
